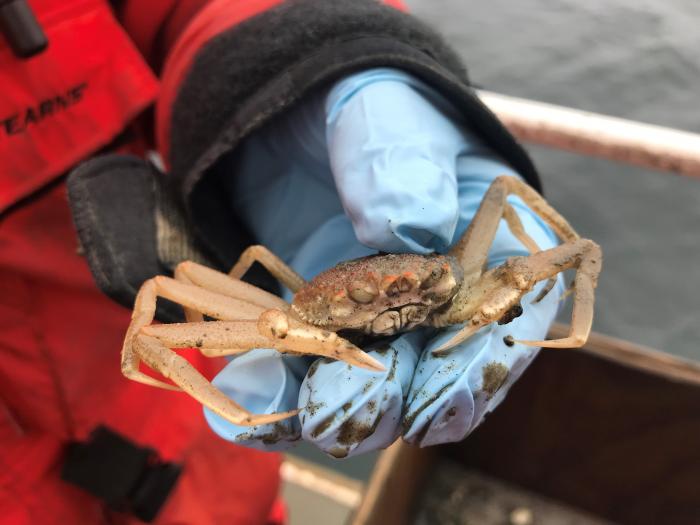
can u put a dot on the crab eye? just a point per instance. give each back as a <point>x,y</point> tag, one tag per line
<point>433,278</point>
<point>362,292</point>
<point>405,283</point>
<point>392,288</point>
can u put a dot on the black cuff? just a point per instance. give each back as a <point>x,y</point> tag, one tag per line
<point>115,201</point>
<point>131,228</point>
<point>244,77</point>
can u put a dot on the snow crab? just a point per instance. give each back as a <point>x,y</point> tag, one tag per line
<point>379,295</point>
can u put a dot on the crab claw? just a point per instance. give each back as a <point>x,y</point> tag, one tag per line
<point>304,339</point>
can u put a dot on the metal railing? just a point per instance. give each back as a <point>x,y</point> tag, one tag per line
<point>597,135</point>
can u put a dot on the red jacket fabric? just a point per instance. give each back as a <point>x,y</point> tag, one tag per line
<point>59,336</point>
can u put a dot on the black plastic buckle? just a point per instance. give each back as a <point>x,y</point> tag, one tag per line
<point>21,29</point>
<point>128,478</point>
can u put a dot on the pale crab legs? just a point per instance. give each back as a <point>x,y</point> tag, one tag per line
<point>379,295</point>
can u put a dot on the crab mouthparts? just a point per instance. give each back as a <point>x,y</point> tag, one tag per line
<point>396,320</point>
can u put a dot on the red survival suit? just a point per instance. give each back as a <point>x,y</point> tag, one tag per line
<point>59,336</point>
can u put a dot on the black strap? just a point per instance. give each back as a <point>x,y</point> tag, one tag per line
<point>127,477</point>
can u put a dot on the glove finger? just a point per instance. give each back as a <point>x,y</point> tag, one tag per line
<point>347,410</point>
<point>394,169</point>
<point>451,394</point>
<point>263,381</point>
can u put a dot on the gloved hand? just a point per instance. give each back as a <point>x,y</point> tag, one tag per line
<point>379,162</point>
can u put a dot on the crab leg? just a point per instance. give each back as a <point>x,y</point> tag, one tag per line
<point>212,339</point>
<point>143,314</point>
<point>209,279</point>
<point>191,315</point>
<point>472,249</point>
<point>587,258</point>
<point>272,264</point>
<point>300,339</point>
<point>273,330</point>
<point>177,369</point>
<point>516,228</point>
<point>139,346</point>
<point>501,289</point>
<point>207,302</point>
<point>305,339</point>
<point>189,296</point>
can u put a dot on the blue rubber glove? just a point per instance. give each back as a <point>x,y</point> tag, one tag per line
<point>378,162</point>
